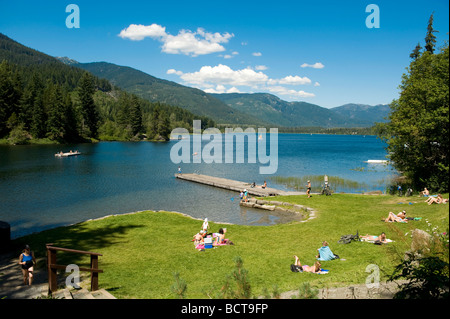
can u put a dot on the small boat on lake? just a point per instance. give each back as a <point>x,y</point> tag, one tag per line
<point>61,154</point>
<point>377,161</point>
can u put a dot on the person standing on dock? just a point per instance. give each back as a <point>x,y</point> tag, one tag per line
<point>179,170</point>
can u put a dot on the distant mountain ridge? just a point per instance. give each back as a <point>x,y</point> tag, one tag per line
<point>235,108</point>
<point>158,90</point>
<point>269,107</point>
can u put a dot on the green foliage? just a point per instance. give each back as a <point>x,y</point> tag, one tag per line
<point>427,278</point>
<point>305,291</point>
<point>179,287</point>
<point>237,285</point>
<point>418,132</point>
<point>89,113</point>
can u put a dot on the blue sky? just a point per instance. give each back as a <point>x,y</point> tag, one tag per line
<point>320,52</point>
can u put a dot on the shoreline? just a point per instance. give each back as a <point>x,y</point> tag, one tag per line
<point>277,203</point>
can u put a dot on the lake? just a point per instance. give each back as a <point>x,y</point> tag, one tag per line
<point>39,191</point>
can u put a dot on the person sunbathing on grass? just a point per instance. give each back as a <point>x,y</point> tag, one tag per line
<point>220,239</point>
<point>438,200</point>
<point>314,269</point>
<point>198,238</point>
<point>399,218</point>
<point>381,238</point>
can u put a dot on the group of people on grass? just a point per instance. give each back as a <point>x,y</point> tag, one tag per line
<point>219,238</point>
<point>438,199</point>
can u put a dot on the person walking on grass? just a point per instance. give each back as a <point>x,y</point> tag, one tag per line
<point>308,189</point>
<point>27,260</point>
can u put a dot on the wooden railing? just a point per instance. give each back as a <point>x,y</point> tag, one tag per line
<point>52,266</point>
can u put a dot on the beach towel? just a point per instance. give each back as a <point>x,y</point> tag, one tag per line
<point>295,268</point>
<point>375,241</point>
<point>325,253</point>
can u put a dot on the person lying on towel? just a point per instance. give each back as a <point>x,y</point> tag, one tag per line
<point>325,253</point>
<point>305,268</point>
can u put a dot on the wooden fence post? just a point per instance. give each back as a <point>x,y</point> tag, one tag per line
<point>94,274</point>
<point>52,279</point>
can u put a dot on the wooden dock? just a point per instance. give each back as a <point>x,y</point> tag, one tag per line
<point>233,185</point>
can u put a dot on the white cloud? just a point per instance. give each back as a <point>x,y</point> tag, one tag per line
<point>317,84</point>
<point>316,65</point>
<point>292,93</point>
<point>294,80</point>
<point>261,67</point>
<point>216,79</point>
<point>256,53</point>
<point>223,74</point>
<point>185,42</point>
<point>173,71</point>
<point>222,89</point>
<point>138,32</point>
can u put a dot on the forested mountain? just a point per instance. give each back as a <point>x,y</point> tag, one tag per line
<point>158,90</point>
<point>235,108</point>
<point>41,97</point>
<point>364,114</point>
<point>268,107</point>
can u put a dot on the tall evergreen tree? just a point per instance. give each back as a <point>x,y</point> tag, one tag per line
<point>135,116</point>
<point>417,133</point>
<point>430,39</point>
<point>9,98</point>
<point>163,128</point>
<point>89,112</point>
<point>416,52</point>
<point>56,118</point>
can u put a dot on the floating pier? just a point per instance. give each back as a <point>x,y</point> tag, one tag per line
<point>233,185</point>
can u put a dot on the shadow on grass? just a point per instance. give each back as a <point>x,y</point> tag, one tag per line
<point>79,237</point>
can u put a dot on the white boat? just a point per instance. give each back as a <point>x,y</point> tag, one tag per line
<point>61,154</point>
<point>377,161</point>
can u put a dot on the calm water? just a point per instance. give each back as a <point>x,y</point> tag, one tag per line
<point>39,191</point>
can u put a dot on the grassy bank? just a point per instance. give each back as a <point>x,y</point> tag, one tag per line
<point>141,251</point>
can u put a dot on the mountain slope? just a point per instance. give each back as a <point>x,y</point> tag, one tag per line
<point>364,114</point>
<point>291,114</point>
<point>159,90</point>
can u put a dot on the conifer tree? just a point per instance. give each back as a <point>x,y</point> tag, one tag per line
<point>430,39</point>
<point>89,112</point>
<point>135,116</point>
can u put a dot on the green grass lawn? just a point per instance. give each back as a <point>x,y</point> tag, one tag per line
<point>142,251</point>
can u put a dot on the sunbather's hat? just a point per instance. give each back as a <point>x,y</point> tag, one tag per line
<point>245,190</point>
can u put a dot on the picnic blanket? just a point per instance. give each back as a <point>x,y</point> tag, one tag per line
<point>326,253</point>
